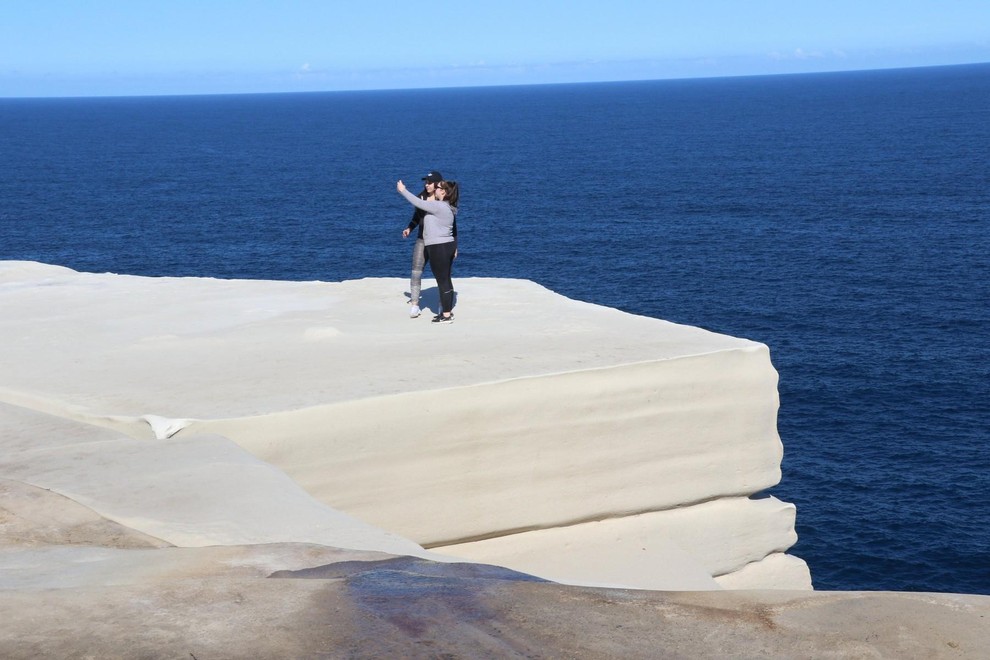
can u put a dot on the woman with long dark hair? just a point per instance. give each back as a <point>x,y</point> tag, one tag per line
<point>438,236</point>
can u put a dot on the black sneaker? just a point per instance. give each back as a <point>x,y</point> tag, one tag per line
<point>440,318</point>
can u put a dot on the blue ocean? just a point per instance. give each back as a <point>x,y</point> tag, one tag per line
<point>842,219</point>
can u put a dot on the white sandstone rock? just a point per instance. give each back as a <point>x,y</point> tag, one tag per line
<point>532,413</point>
<point>722,536</point>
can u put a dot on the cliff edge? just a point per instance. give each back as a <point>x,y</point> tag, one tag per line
<point>566,440</point>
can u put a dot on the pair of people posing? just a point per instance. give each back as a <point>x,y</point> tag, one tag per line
<point>437,206</point>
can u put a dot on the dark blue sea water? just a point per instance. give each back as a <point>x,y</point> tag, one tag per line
<point>842,219</point>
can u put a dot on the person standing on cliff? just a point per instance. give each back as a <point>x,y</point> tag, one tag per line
<point>438,238</point>
<point>419,255</point>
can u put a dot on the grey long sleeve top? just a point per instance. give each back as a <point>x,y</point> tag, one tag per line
<point>438,223</point>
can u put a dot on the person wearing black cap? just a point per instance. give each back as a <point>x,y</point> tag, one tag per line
<point>438,237</point>
<point>419,256</point>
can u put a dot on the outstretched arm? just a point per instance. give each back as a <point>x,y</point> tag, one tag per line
<point>429,206</point>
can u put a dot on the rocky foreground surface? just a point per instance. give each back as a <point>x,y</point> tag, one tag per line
<point>140,600</point>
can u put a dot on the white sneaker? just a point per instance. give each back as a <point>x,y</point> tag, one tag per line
<point>414,311</point>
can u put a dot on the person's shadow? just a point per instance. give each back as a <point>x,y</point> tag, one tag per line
<point>430,298</point>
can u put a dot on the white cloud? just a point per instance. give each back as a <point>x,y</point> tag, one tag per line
<point>801,54</point>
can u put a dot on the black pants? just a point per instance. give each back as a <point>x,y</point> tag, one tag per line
<point>441,257</point>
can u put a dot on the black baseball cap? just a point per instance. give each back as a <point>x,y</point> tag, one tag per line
<point>433,177</point>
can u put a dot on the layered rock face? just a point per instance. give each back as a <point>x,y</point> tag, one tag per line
<point>560,439</point>
<point>636,475</point>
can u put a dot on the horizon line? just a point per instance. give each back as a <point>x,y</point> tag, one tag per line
<point>496,85</point>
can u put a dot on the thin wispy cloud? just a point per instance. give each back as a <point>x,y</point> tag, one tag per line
<point>803,54</point>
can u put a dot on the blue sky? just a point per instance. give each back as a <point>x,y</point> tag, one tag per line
<point>137,47</point>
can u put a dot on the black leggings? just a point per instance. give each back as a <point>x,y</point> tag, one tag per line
<point>441,257</point>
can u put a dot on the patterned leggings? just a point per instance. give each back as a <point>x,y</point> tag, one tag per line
<point>418,263</point>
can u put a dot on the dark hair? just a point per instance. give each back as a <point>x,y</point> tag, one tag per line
<point>451,190</point>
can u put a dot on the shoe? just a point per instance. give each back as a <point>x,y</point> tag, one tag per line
<point>440,318</point>
<point>414,311</point>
